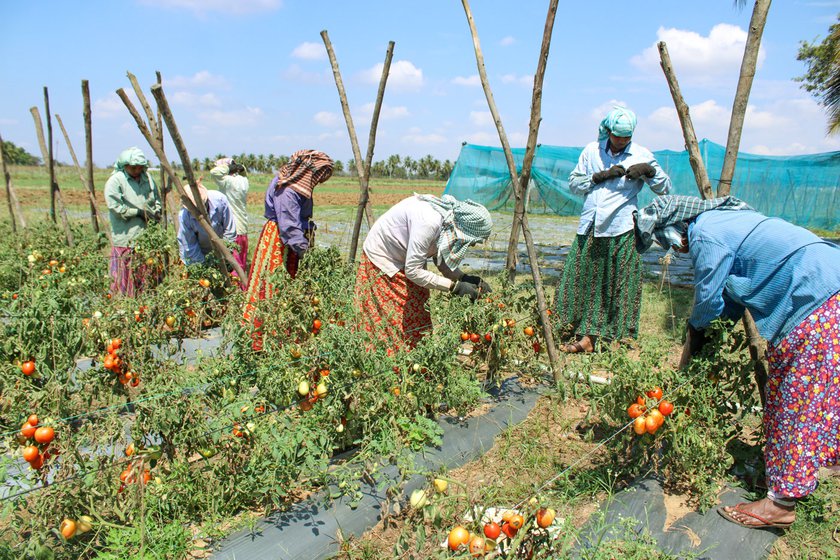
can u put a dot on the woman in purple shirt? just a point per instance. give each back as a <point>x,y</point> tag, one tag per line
<point>288,230</point>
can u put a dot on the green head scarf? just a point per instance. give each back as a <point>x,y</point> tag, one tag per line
<point>465,223</point>
<point>621,122</point>
<point>131,156</point>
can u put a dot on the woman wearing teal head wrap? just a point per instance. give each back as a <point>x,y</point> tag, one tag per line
<point>600,293</point>
<point>133,202</point>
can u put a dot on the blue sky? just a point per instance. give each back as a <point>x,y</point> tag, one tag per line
<point>253,76</point>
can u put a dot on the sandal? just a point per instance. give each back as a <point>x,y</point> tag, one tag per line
<point>765,523</point>
<point>575,348</point>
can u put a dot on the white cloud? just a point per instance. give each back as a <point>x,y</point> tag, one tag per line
<point>526,80</point>
<point>335,134</point>
<point>202,79</point>
<point>403,75</point>
<point>507,41</point>
<point>111,106</point>
<point>296,74</point>
<point>238,117</point>
<point>326,118</point>
<point>386,112</point>
<point>481,118</point>
<point>202,7</point>
<point>698,59</point>
<point>471,81</point>
<point>310,51</point>
<point>194,99</point>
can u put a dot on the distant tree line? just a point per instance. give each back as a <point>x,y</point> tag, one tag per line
<point>15,155</point>
<point>393,167</point>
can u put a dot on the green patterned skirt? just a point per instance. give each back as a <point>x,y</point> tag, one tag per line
<point>601,290</point>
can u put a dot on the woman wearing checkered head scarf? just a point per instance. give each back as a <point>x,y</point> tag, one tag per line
<point>289,230</point>
<point>600,293</point>
<point>392,283</point>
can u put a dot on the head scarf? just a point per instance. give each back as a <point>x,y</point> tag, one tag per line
<point>305,169</point>
<point>202,192</point>
<point>620,121</point>
<point>665,220</point>
<point>131,156</point>
<point>465,223</point>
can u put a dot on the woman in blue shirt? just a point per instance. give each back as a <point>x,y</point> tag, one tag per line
<point>601,290</point>
<point>789,280</point>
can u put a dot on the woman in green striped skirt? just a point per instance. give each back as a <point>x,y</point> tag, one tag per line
<point>600,293</point>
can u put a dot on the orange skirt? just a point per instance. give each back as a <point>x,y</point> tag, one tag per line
<point>393,309</point>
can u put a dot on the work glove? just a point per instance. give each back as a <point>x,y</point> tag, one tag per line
<point>461,288</point>
<point>640,170</point>
<point>611,173</point>
<point>483,286</point>
<point>697,339</point>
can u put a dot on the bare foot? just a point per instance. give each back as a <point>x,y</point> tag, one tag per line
<point>762,513</point>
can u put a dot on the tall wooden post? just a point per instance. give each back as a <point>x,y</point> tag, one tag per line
<point>10,192</point>
<point>54,189</point>
<point>86,115</point>
<point>348,118</point>
<point>49,159</point>
<point>519,187</point>
<point>374,123</point>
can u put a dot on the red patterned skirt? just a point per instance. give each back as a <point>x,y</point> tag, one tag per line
<point>269,255</point>
<point>393,309</point>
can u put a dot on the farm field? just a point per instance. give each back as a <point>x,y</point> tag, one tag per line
<point>147,455</point>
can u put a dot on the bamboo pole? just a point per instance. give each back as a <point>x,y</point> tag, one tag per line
<point>86,114</point>
<point>10,192</point>
<point>93,212</point>
<point>374,123</point>
<point>198,211</point>
<point>348,118</point>
<point>517,187</point>
<point>742,94</point>
<point>50,162</point>
<point>54,190</point>
<point>691,145</point>
<point>169,209</point>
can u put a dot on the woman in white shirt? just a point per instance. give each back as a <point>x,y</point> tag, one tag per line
<point>229,176</point>
<point>393,284</point>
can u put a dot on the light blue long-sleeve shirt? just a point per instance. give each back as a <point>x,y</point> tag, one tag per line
<point>609,205</point>
<point>193,242</point>
<point>743,259</point>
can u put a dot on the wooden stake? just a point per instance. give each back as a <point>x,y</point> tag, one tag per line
<point>169,205</point>
<point>518,187</point>
<point>55,192</point>
<point>374,123</point>
<point>86,114</point>
<point>93,213</point>
<point>691,145</point>
<point>742,95</point>
<point>348,118</point>
<point>50,162</point>
<point>11,198</point>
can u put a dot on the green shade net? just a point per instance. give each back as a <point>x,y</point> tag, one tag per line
<point>804,190</point>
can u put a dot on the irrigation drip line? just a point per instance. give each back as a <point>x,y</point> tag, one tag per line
<point>207,433</point>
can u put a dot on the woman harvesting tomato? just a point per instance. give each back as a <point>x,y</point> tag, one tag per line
<point>392,283</point>
<point>789,280</point>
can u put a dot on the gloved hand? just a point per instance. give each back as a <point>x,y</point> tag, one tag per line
<point>611,173</point>
<point>640,170</point>
<point>697,339</point>
<point>461,288</point>
<point>483,286</point>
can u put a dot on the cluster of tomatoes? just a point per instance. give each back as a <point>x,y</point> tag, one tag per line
<point>71,527</point>
<point>54,265</point>
<point>114,363</point>
<point>239,430</point>
<point>511,522</point>
<point>38,452</point>
<point>137,471</point>
<point>309,393</point>
<point>648,421</point>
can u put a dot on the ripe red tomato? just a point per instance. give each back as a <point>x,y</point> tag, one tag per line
<point>33,419</point>
<point>666,408</point>
<point>657,417</point>
<point>27,430</point>
<point>508,530</point>
<point>517,521</point>
<point>545,517</point>
<point>44,434</point>
<point>488,337</point>
<point>492,530</point>
<point>457,537</point>
<point>529,331</point>
<point>639,425</point>
<point>640,400</point>
<point>474,338</point>
<point>28,367</point>
<point>30,453</point>
<point>537,347</point>
<point>37,462</point>
<point>116,343</point>
<point>316,324</point>
<point>656,393</point>
<point>465,336</point>
<point>635,410</point>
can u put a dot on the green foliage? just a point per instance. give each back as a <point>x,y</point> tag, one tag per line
<point>15,155</point>
<point>822,78</point>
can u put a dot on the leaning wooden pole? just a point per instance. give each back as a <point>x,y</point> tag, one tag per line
<point>535,117</point>
<point>54,190</point>
<point>348,118</point>
<point>691,145</point>
<point>10,192</point>
<point>742,95</point>
<point>86,115</point>
<point>374,123</point>
<point>93,211</point>
<point>50,162</point>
